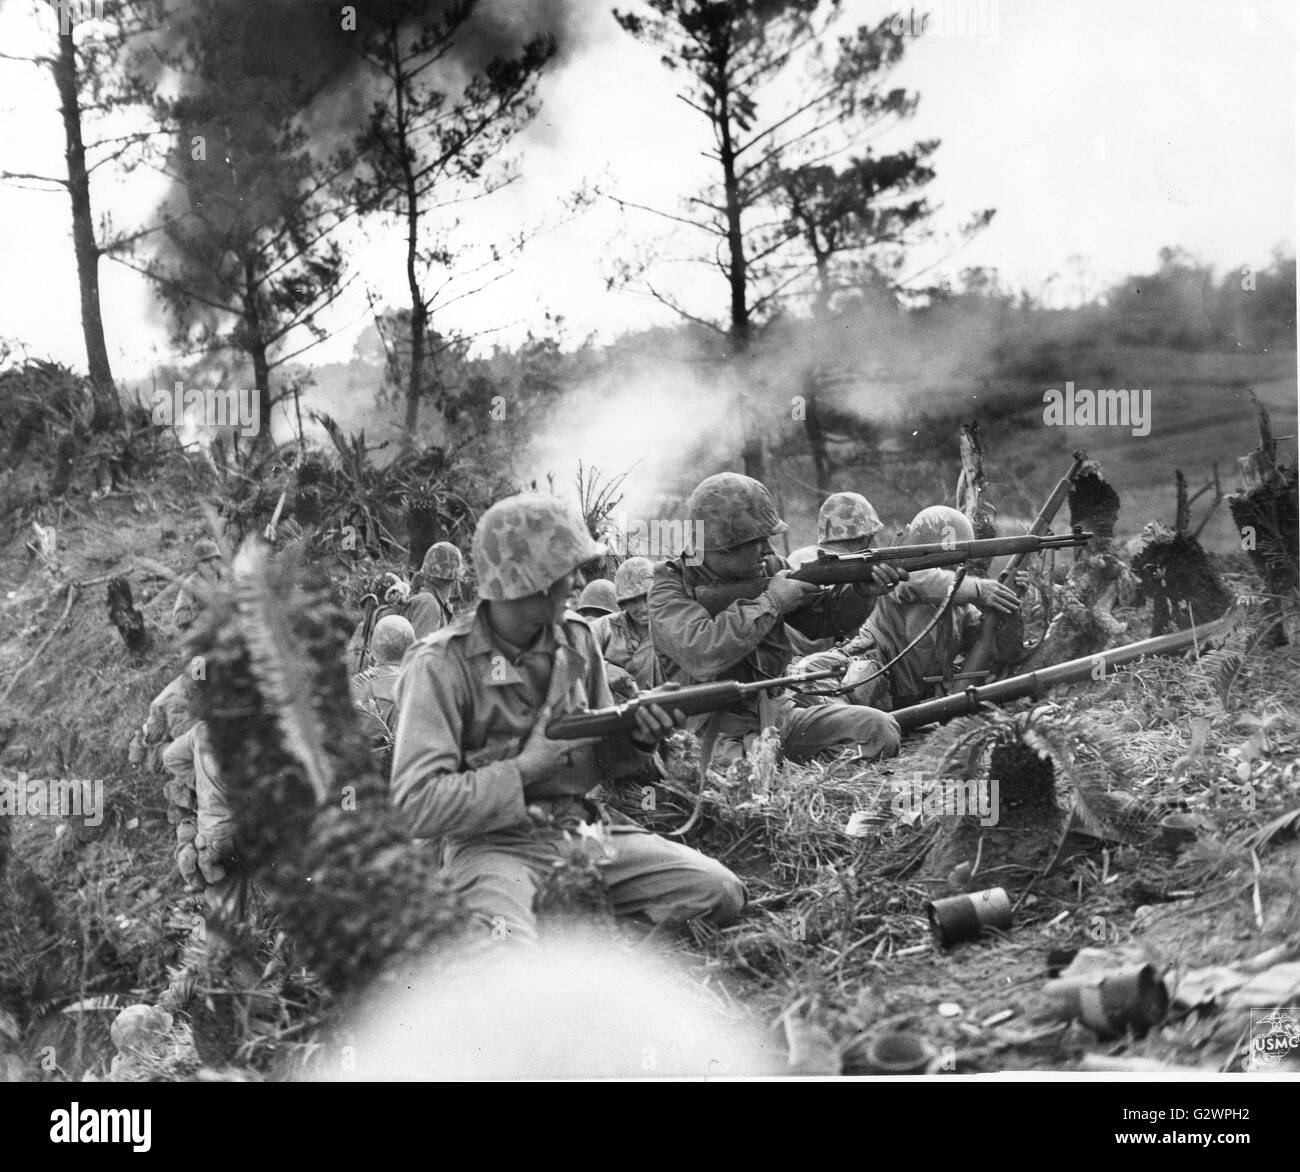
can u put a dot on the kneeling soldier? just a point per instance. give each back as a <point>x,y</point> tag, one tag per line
<point>748,641</point>
<point>472,765</point>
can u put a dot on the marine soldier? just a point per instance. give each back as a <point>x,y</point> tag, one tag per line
<point>373,689</point>
<point>905,613</point>
<point>431,607</point>
<point>846,523</point>
<point>597,599</point>
<point>209,570</point>
<point>747,640</point>
<point>624,638</point>
<point>473,767</point>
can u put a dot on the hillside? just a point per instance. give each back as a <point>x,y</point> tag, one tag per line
<point>94,917</point>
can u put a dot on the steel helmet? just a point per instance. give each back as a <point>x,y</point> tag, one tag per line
<point>633,579</point>
<point>847,516</point>
<point>939,523</point>
<point>524,543</point>
<point>598,594</point>
<point>391,637</point>
<point>442,560</point>
<point>733,509</point>
<point>205,550</point>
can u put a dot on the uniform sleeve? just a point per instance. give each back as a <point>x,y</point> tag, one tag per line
<point>933,585</point>
<point>705,645</point>
<point>835,613</point>
<point>428,784</point>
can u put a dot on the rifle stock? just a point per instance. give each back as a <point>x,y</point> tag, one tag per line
<point>840,569</point>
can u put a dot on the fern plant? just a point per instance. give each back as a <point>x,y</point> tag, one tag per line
<point>314,826</point>
<point>1053,771</point>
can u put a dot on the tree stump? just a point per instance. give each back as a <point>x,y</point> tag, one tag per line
<point>970,494</point>
<point>126,617</point>
<point>1083,622</point>
<point>1265,514</point>
<point>1029,821</point>
<point>1174,572</point>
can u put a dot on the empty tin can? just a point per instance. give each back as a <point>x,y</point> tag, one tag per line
<point>964,917</point>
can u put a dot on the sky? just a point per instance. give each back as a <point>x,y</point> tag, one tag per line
<point>1105,130</point>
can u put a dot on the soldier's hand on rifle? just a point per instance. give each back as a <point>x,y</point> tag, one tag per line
<point>991,595</point>
<point>789,593</point>
<point>540,757</point>
<point>884,578</point>
<point>654,722</point>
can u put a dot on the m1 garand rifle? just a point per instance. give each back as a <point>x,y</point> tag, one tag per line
<point>1099,665</point>
<point>831,569</point>
<point>989,657</point>
<point>689,701</point>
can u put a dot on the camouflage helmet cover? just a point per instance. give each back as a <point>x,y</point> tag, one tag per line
<point>526,542</point>
<point>633,578</point>
<point>205,550</point>
<point>442,560</point>
<point>733,510</point>
<point>598,594</point>
<point>939,523</point>
<point>847,516</point>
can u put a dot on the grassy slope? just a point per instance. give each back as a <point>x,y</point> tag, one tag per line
<point>827,921</point>
<point>117,897</point>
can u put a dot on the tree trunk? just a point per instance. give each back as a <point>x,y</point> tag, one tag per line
<point>816,433</point>
<point>737,276</point>
<point>419,309</point>
<point>108,407</point>
<point>255,348</point>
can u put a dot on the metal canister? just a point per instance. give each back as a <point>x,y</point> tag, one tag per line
<point>964,917</point>
<point>1112,1001</point>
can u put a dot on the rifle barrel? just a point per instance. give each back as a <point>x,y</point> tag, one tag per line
<point>1038,682</point>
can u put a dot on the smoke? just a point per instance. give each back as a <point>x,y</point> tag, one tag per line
<point>576,1006</point>
<point>279,59</point>
<point>668,423</point>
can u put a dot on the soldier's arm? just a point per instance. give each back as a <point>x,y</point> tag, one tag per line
<point>705,645</point>
<point>617,755</point>
<point>839,611</point>
<point>932,586</point>
<point>429,785</point>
